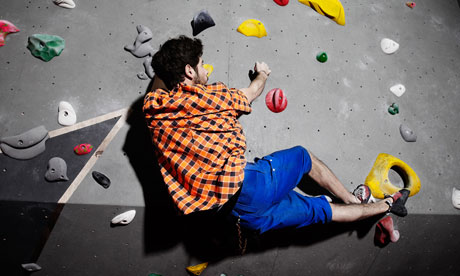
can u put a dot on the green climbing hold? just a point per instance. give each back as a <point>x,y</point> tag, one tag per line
<point>321,57</point>
<point>393,109</point>
<point>45,46</point>
<point>154,274</point>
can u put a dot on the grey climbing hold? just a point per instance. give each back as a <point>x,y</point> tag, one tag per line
<point>31,267</point>
<point>26,139</point>
<point>148,67</point>
<point>27,153</point>
<point>141,48</point>
<point>201,21</point>
<point>124,218</point>
<point>407,134</point>
<point>57,170</point>
<point>142,76</point>
<point>66,114</point>
<point>389,46</point>
<point>100,178</point>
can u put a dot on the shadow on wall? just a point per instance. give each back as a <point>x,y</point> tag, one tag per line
<point>208,235</point>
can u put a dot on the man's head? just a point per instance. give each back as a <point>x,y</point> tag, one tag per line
<point>179,60</point>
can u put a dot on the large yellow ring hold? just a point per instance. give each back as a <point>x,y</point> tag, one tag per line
<point>378,179</point>
<point>329,8</point>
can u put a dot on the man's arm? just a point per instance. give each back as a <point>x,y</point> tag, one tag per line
<point>258,83</point>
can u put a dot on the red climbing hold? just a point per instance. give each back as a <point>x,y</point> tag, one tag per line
<point>83,149</point>
<point>275,100</point>
<point>281,2</point>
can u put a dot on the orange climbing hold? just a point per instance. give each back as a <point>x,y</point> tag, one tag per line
<point>329,8</point>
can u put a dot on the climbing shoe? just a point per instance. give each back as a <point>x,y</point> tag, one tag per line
<point>399,201</point>
<point>363,193</point>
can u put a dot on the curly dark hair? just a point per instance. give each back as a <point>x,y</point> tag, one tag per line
<point>172,57</point>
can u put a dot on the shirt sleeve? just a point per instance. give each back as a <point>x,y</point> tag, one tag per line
<point>240,101</point>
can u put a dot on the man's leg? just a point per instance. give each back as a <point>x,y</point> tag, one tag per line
<point>326,179</point>
<point>354,212</point>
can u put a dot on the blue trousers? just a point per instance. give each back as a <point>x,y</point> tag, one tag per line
<point>267,199</point>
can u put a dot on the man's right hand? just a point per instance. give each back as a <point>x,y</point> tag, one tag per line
<point>258,79</point>
<point>260,67</point>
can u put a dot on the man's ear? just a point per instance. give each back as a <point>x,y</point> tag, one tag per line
<point>189,72</point>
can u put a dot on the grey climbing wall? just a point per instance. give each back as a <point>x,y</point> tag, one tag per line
<point>337,109</point>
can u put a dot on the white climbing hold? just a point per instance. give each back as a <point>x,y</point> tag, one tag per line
<point>68,4</point>
<point>389,46</point>
<point>124,218</point>
<point>31,267</point>
<point>456,198</point>
<point>398,89</point>
<point>67,115</point>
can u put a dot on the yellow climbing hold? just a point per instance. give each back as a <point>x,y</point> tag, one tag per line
<point>329,8</point>
<point>197,269</point>
<point>252,27</point>
<point>209,68</point>
<point>378,179</point>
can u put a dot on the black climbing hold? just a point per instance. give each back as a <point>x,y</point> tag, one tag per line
<point>101,179</point>
<point>201,21</point>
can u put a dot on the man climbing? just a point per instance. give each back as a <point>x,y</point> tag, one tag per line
<point>200,147</point>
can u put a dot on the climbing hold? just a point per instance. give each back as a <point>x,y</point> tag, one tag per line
<point>393,109</point>
<point>378,179</point>
<point>154,274</point>
<point>281,2</point>
<point>201,21</point>
<point>456,198</point>
<point>100,178</point>
<point>57,170</point>
<point>389,46</point>
<point>6,28</point>
<point>410,4</point>
<point>385,232</point>
<point>209,68</point>
<point>275,100</point>
<point>141,48</point>
<point>329,8</point>
<point>46,46</point>
<point>66,114</point>
<point>321,57</point>
<point>148,67</point>
<point>25,153</point>
<point>68,4</point>
<point>31,267</point>
<point>252,27</point>
<point>142,76</point>
<point>407,134</point>
<point>197,269</point>
<point>398,89</point>
<point>83,149</point>
<point>26,139</point>
<point>124,218</point>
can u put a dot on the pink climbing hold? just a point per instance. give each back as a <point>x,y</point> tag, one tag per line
<point>275,100</point>
<point>6,27</point>
<point>385,232</point>
<point>410,4</point>
<point>281,2</point>
<point>83,149</point>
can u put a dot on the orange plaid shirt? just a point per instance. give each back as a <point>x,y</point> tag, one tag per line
<point>199,142</point>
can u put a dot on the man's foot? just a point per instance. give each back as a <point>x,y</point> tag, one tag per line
<point>385,232</point>
<point>399,200</point>
<point>363,193</point>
